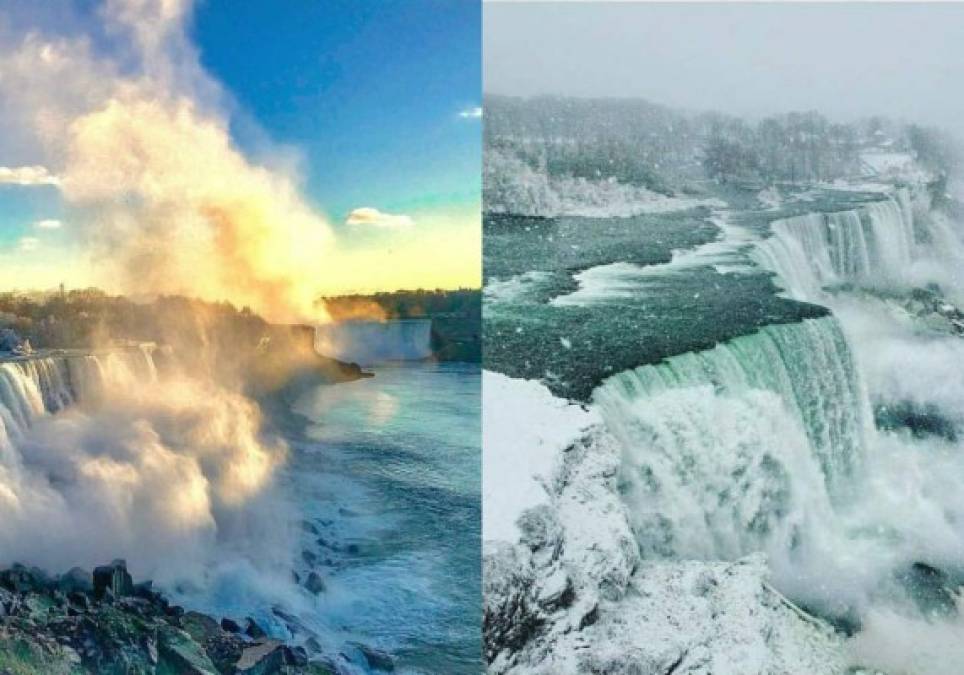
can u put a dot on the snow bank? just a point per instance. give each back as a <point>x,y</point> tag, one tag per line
<point>524,430</point>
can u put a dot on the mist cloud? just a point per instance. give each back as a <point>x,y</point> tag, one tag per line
<point>144,154</point>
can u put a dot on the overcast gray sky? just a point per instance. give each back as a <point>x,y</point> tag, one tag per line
<point>845,60</point>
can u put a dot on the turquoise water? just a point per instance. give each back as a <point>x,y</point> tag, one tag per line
<point>386,472</point>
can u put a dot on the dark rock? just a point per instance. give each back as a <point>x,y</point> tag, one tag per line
<point>315,584</point>
<point>930,588</point>
<point>113,578</point>
<point>145,589</point>
<point>590,617</point>
<point>79,601</point>
<point>264,657</point>
<point>230,625</point>
<point>225,650</point>
<point>309,527</point>
<point>376,659</point>
<point>352,549</point>
<point>253,630</point>
<point>174,611</point>
<point>183,655</point>
<point>295,656</point>
<point>309,557</point>
<point>200,627</point>
<point>76,579</point>
<point>18,579</point>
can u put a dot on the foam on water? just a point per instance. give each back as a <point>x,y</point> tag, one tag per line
<point>766,442</point>
<point>617,281</point>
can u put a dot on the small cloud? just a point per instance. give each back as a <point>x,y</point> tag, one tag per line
<point>49,224</point>
<point>27,175</point>
<point>471,113</point>
<point>369,216</point>
<point>29,243</point>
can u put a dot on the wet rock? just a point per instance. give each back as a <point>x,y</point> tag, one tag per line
<point>376,659</point>
<point>145,589</point>
<point>314,583</point>
<point>225,650</point>
<point>113,578</point>
<point>930,588</point>
<point>296,656</point>
<point>264,657</point>
<point>252,629</point>
<point>230,625</point>
<point>200,627</point>
<point>177,650</point>
<point>79,601</point>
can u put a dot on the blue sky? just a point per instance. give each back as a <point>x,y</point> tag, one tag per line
<point>370,100</point>
<point>369,90</point>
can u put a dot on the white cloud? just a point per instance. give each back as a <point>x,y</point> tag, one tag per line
<point>366,215</point>
<point>49,224</point>
<point>27,175</point>
<point>29,243</point>
<point>471,113</point>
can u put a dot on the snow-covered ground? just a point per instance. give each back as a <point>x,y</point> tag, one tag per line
<point>565,589</point>
<point>524,431</point>
<point>512,186</point>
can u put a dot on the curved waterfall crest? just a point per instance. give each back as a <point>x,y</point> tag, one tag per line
<point>44,385</point>
<point>874,244</point>
<point>728,449</point>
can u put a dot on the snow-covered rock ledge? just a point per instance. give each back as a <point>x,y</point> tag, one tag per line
<point>513,187</point>
<point>565,589</point>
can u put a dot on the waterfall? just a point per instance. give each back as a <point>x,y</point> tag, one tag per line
<point>42,385</point>
<point>733,449</point>
<point>874,244</point>
<point>368,342</point>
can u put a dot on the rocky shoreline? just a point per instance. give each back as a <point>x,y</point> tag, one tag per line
<point>102,622</point>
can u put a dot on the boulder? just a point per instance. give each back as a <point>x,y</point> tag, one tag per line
<point>375,658</point>
<point>264,657</point>
<point>76,579</point>
<point>230,625</point>
<point>253,630</point>
<point>200,627</point>
<point>182,655</point>
<point>113,578</point>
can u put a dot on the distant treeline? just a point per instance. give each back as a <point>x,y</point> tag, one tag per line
<point>463,302</point>
<point>87,318</point>
<point>641,143</point>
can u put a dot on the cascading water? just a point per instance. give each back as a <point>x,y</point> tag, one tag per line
<point>735,448</point>
<point>36,386</point>
<point>767,442</point>
<point>369,342</point>
<point>880,245</point>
